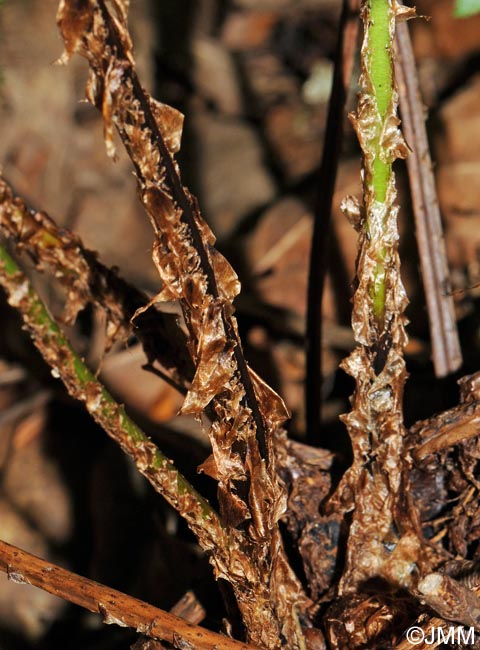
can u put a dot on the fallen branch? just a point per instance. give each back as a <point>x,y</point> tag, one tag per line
<point>114,606</point>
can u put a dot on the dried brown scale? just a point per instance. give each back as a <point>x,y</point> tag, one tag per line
<point>87,281</point>
<point>194,273</point>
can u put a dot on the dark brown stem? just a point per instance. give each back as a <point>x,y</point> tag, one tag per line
<point>447,356</point>
<point>173,183</point>
<point>347,40</point>
<point>114,606</point>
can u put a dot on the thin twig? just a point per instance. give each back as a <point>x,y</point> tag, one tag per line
<point>446,429</point>
<point>114,606</point>
<point>447,356</point>
<point>347,40</point>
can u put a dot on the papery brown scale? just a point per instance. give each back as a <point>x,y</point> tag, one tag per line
<point>228,282</point>
<point>95,46</point>
<point>215,363</point>
<point>275,409</point>
<point>74,18</point>
<point>206,233</point>
<point>195,295</point>
<point>110,101</point>
<point>159,206</point>
<point>229,465</point>
<point>258,500</point>
<point>209,467</point>
<point>121,8</point>
<point>170,124</point>
<point>233,509</point>
<point>124,35</point>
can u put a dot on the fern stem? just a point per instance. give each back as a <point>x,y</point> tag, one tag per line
<point>111,416</point>
<point>378,61</point>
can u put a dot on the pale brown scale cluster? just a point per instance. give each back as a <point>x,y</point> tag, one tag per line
<point>247,415</point>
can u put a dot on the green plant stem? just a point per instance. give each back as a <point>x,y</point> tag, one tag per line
<point>382,79</point>
<point>379,64</point>
<point>83,385</point>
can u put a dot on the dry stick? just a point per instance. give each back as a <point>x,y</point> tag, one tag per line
<point>451,599</point>
<point>457,601</point>
<point>448,429</point>
<point>451,427</point>
<point>347,39</point>
<point>114,606</point>
<point>83,385</point>
<point>447,356</point>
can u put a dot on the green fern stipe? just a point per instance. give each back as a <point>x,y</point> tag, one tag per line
<point>382,78</point>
